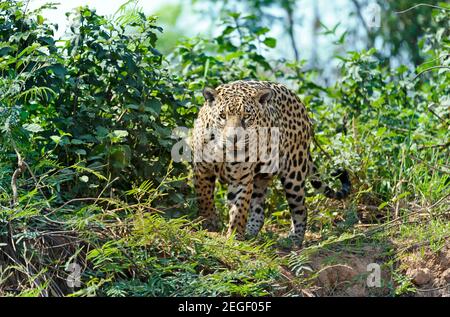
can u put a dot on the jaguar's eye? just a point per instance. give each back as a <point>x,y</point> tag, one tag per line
<point>248,112</point>
<point>222,115</point>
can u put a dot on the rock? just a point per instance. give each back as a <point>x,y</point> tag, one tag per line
<point>356,291</point>
<point>445,258</point>
<point>333,275</point>
<point>420,276</point>
<point>446,275</point>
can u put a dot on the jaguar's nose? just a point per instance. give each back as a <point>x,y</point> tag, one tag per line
<point>234,122</point>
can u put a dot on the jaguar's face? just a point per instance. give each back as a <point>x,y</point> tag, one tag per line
<point>236,109</point>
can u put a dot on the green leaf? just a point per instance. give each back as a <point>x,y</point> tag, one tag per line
<point>118,136</point>
<point>86,13</point>
<point>101,132</point>
<point>76,142</point>
<point>228,30</point>
<point>59,70</point>
<point>80,152</point>
<point>55,139</point>
<point>270,42</point>
<point>133,106</point>
<point>120,156</point>
<point>262,31</point>
<point>234,15</point>
<point>382,205</point>
<point>120,133</point>
<point>154,106</point>
<point>5,50</point>
<point>33,127</point>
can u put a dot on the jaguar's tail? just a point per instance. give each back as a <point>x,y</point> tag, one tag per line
<point>320,186</point>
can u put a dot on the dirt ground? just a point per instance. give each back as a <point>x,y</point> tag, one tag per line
<point>346,272</point>
<point>429,271</point>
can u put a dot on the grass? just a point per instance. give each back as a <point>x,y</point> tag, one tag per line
<point>133,249</point>
<point>137,252</point>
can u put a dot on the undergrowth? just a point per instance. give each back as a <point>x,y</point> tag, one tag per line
<point>91,203</point>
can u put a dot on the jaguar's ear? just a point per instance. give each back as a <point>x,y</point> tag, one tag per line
<point>210,94</point>
<point>263,96</point>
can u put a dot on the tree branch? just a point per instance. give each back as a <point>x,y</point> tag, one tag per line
<point>19,170</point>
<point>429,69</point>
<point>422,5</point>
<point>290,29</point>
<point>358,12</point>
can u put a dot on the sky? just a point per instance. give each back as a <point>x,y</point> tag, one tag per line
<point>103,7</point>
<point>332,12</point>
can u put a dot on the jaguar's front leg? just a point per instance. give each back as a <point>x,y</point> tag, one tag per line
<point>204,181</point>
<point>239,195</point>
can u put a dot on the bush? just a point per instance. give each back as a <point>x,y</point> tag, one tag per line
<point>86,173</point>
<point>101,104</point>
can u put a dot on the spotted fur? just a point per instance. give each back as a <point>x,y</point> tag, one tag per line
<point>247,105</point>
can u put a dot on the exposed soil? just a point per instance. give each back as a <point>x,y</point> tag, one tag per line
<point>429,271</point>
<point>346,272</point>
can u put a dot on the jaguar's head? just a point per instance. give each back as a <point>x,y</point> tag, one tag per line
<point>235,116</point>
<point>236,109</point>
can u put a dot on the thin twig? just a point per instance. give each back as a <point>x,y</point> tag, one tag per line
<point>420,244</point>
<point>37,184</point>
<point>435,114</point>
<point>436,146</point>
<point>361,18</point>
<point>291,32</point>
<point>19,170</point>
<point>430,69</point>
<point>440,201</point>
<point>433,289</point>
<point>430,166</point>
<point>422,5</point>
<point>321,149</point>
<point>96,199</point>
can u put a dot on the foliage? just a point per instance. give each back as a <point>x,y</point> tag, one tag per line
<point>103,101</point>
<point>238,49</point>
<point>403,29</point>
<point>85,154</point>
<point>171,260</point>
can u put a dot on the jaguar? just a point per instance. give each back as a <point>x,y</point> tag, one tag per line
<point>271,126</point>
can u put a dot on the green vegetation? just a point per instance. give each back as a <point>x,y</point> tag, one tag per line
<point>86,175</point>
